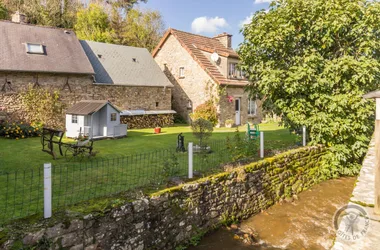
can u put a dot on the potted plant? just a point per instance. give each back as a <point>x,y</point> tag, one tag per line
<point>229,123</point>
<point>157,130</point>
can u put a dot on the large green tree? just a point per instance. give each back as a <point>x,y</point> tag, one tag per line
<point>143,28</point>
<point>314,59</point>
<point>56,13</point>
<point>93,24</point>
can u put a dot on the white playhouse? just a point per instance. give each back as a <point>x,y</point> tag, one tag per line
<point>95,119</point>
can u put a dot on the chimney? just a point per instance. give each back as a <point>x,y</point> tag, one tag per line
<point>225,39</point>
<point>18,17</point>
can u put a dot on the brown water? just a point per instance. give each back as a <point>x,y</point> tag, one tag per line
<point>303,224</point>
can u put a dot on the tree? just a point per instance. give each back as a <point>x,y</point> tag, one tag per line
<point>3,11</point>
<point>314,59</point>
<point>56,13</point>
<point>202,129</point>
<point>93,24</point>
<point>143,29</point>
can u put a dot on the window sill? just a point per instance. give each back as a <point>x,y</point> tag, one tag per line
<point>252,116</point>
<point>181,77</point>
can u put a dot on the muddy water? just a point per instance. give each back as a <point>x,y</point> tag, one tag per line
<point>303,224</point>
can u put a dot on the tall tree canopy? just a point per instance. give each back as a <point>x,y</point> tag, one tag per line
<point>314,59</point>
<point>93,24</point>
<point>143,29</point>
<point>57,13</point>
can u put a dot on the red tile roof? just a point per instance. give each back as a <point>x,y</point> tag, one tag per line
<point>195,44</point>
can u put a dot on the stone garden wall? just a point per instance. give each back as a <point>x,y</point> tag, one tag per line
<point>73,88</point>
<point>172,217</point>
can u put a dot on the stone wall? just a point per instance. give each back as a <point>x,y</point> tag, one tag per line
<point>192,86</point>
<point>171,217</point>
<point>74,88</point>
<point>197,86</point>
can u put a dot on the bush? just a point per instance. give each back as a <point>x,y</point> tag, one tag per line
<point>19,130</point>
<point>202,130</point>
<point>241,148</point>
<point>206,111</point>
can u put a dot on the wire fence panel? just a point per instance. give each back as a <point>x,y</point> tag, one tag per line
<point>21,192</point>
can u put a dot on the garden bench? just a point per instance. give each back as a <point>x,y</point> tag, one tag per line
<point>254,132</point>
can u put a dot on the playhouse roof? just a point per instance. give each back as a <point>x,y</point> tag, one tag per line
<point>88,107</point>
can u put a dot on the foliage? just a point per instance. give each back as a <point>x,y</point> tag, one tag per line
<point>43,107</point>
<point>19,130</point>
<point>206,111</point>
<point>170,166</point>
<point>241,148</point>
<point>55,13</point>
<point>178,119</point>
<point>143,28</point>
<point>202,130</point>
<point>3,11</point>
<point>93,24</point>
<point>229,122</point>
<point>314,59</point>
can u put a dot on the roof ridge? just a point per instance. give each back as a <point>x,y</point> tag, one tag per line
<point>36,25</point>
<point>214,39</point>
<point>114,44</point>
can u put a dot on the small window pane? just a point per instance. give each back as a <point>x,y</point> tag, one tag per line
<point>113,117</point>
<point>74,119</point>
<point>182,72</point>
<point>252,107</point>
<point>34,48</point>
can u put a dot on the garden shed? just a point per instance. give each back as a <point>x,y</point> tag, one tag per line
<point>95,119</point>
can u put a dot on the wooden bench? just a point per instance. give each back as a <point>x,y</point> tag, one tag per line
<point>254,132</point>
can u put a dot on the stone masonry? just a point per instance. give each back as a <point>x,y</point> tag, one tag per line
<point>171,217</point>
<point>74,88</point>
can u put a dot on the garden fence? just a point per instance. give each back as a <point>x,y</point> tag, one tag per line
<point>22,192</point>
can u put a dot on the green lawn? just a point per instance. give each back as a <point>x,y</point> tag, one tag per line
<point>27,154</point>
<point>142,160</point>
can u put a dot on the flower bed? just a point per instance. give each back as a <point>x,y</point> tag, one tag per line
<point>19,130</point>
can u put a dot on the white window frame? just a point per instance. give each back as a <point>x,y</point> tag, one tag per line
<point>250,111</point>
<point>181,72</point>
<point>74,119</point>
<point>39,48</point>
<point>114,120</point>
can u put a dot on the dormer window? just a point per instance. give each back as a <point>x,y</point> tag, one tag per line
<point>34,48</point>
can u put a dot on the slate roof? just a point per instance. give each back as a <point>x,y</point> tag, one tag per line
<point>63,51</point>
<point>124,65</point>
<point>88,107</point>
<point>195,44</point>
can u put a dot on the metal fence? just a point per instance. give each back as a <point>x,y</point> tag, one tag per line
<point>22,192</point>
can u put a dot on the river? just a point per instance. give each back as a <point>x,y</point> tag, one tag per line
<point>305,223</point>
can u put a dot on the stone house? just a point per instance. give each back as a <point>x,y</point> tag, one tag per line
<point>203,68</point>
<point>52,58</point>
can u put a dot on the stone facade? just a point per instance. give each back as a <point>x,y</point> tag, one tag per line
<point>193,88</point>
<point>170,218</point>
<point>74,88</point>
<point>189,91</point>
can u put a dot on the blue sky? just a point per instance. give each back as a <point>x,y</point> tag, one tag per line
<point>207,17</point>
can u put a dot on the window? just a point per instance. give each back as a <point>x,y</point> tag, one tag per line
<point>113,117</point>
<point>157,104</point>
<point>182,72</point>
<point>235,72</point>
<point>32,48</point>
<point>252,107</point>
<point>74,119</point>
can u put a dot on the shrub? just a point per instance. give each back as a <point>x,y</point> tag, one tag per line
<point>19,130</point>
<point>202,130</point>
<point>241,148</point>
<point>206,111</point>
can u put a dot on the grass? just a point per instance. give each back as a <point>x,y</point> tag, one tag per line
<point>142,160</point>
<point>27,154</point>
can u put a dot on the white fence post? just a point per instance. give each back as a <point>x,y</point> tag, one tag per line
<point>190,151</point>
<point>261,144</point>
<point>47,191</point>
<point>304,136</point>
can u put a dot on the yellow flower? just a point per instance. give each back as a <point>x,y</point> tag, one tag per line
<point>23,137</point>
<point>16,138</point>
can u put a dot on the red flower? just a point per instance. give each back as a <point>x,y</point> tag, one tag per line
<point>230,98</point>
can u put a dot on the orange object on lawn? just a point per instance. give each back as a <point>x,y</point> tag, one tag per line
<point>157,130</point>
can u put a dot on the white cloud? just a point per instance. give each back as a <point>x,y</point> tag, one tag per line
<point>262,1</point>
<point>208,24</point>
<point>247,20</point>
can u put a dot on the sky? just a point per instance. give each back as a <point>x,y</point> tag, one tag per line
<point>207,17</point>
